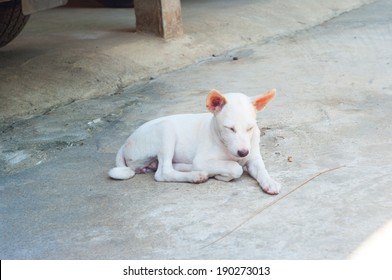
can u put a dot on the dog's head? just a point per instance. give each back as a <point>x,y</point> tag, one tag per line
<point>235,118</point>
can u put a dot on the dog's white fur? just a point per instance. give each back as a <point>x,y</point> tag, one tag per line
<point>194,147</point>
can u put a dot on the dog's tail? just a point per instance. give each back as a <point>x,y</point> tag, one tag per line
<point>121,171</point>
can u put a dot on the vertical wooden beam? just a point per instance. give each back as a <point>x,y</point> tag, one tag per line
<point>162,17</point>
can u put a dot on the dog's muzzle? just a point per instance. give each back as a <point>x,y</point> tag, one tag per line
<point>242,153</point>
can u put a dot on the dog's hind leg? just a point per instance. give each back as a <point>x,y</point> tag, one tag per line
<point>183,167</point>
<point>166,171</point>
<point>223,170</point>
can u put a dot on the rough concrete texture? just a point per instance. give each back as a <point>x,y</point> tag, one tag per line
<point>64,54</point>
<point>160,17</point>
<point>333,110</point>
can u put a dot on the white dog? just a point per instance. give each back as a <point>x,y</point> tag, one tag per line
<point>194,147</point>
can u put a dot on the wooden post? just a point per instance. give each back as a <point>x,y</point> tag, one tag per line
<point>162,17</point>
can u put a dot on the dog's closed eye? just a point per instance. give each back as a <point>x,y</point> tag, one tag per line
<point>232,128</point>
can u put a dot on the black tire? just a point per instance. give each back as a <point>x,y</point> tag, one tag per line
<point>117,3</point>
<point>12,21</point>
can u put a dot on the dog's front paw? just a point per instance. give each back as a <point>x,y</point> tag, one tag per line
<point>200,177</point>
<point>271,187</point>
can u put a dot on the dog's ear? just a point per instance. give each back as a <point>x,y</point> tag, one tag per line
<point>215,101</point>
<point>262,101</point>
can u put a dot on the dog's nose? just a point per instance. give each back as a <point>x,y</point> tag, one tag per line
<point>243,153</point>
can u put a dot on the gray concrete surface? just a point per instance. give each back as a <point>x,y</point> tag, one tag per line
<point>333,109</point>
<point>68,54</point>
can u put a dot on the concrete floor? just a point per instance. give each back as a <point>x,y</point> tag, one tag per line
<point>333,110</point>
<point>75,53</point>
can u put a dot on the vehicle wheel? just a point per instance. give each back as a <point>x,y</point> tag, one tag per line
<point>117,3</point>
<point>12,21</point>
